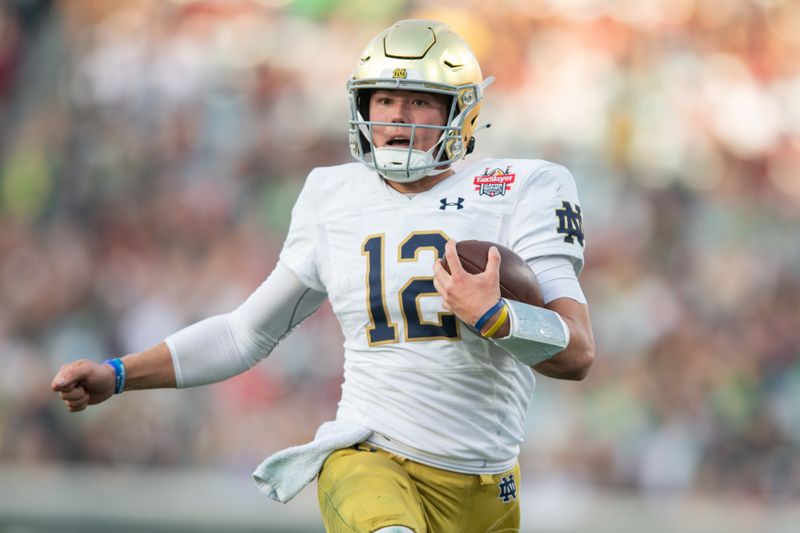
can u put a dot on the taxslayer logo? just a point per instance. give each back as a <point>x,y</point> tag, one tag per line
<point>494,182</point>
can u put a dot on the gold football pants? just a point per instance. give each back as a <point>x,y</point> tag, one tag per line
<point>362,490</point>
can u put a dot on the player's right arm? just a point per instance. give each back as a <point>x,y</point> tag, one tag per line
<point>206,352</point>
<point>222,346</point>
<point>86,382</point>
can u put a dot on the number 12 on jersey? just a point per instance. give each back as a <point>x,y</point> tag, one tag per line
<point>381,330</point>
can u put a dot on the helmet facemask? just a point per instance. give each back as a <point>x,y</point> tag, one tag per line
<point>407,164</point>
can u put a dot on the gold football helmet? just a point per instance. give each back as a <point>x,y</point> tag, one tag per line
<point>417,55</point>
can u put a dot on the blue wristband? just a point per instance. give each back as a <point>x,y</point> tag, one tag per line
<point>488,314</point>
<point>119,373</point>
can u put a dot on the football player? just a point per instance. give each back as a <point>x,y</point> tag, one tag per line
<point>438,368</point>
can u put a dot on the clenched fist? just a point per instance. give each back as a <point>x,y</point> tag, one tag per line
<point>83,383</point>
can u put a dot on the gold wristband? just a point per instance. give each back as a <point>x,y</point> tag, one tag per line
<point>498,323</point>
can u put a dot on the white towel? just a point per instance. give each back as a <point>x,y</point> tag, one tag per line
<point>283,474</point>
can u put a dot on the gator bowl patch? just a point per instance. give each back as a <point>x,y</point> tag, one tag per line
<point>494,182</point>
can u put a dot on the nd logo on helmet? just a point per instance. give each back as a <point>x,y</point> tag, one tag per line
<point>400,73</point>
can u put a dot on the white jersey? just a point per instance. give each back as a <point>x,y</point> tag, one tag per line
<point>414,374</point>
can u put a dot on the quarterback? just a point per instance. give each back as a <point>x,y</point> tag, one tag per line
<point>438,367</point>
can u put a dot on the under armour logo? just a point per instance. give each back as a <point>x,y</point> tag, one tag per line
<point>445,204</point>
<point>508,488</point>
<point>570,222</point>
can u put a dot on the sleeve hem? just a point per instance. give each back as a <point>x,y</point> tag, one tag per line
<point>308,282</point>
<point>176,366</point>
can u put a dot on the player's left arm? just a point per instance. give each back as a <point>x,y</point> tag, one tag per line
<point>576,359</point>
<point>548,231</point>
<point>467,295</point>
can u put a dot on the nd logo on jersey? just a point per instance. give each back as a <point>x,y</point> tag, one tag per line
<point>494,182</point>
<point>570,222</point>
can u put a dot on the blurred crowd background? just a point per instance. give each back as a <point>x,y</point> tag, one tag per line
<point>150,153</point>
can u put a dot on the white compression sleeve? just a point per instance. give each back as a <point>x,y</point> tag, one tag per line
<point>557,278</point>
<point>225,345</point>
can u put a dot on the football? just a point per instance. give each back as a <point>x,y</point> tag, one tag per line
<point>517,280</point>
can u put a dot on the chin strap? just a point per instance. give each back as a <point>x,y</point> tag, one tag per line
<point>411,165</point>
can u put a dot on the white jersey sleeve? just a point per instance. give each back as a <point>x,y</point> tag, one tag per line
<point>301,248</point>
<point>547,219</point>
<point>557,278</point>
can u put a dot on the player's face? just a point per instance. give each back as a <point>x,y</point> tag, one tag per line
<point>407,107</point>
